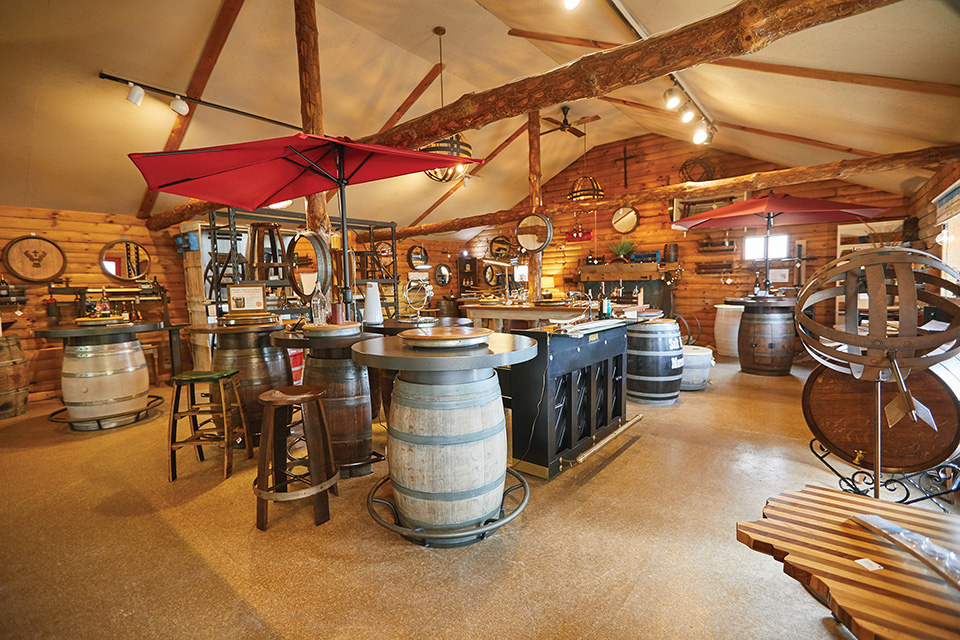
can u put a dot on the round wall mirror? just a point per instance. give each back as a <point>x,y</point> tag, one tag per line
<point>490,274</point>
<point>500,247</point>
<point>442,274</point>
<point>534,232</point>
<point>417,257</point>
<point>385,253</point>
<point>625,219</point>
<point>124,260</point>
<point>308,264</point>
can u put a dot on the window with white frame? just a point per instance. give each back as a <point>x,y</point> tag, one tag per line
<point>753,247</point>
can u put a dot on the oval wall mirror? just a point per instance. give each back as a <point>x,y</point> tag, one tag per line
<point>490,275</point>
<point>308,264</point>
<point>418,258</point>
<point>441,275</point>
<point>625,219</point>
<point>500,247</point>
<point>124,260</point>
<point>385,253</point>
<point>534,232</point>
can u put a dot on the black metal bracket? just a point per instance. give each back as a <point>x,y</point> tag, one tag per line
<point>932,483</point>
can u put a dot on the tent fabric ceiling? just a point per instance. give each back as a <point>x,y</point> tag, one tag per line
<point>67,133</point>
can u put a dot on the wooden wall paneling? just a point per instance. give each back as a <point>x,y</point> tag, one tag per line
<point>81,235</point>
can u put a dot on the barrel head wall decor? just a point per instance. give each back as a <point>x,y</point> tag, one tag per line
<point>34,259</point>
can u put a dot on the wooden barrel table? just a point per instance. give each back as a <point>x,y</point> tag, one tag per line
<point>262,366</point>
<point>13,378</point>
<point>104,380</point>
<point>346,398</point>
<point>446,443</point>
<point>392,327</point>
<point>765,341</point>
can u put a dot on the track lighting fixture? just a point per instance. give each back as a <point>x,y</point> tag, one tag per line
<point>570,5</point>
<point>179,106</point>
<point>672,97</point>
<point>135,95</point>
<point>688,112</point>
<point>704,133</point>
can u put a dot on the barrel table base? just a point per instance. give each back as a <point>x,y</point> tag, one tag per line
<point>112,421</point>
<point>765,342</point>
<point>14,381</point>
<point>104,386</point>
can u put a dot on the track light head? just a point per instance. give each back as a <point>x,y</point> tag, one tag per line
<point>179,106</point>
<point>570,5</point>
<point>135,95</point>
<point>704,133</point>
<point>688,112</point>
<point>672,97</point>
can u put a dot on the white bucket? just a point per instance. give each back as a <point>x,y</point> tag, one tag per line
<point>696,367</point>
<point>726,329</point>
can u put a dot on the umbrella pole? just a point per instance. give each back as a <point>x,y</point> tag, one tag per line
<point>346,289</point>
<point>766,257</point>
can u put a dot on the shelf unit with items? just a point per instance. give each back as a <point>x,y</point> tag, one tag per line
<point>858,237</point>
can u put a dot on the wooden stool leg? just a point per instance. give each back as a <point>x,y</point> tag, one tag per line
<point>264,471</point>
<point>227,430</point>
<point>172,436</point>
<point>247,428</point>
<point>331,468</point>
<point>316,459</point>
<point>194,421</point>
<point>279,450</point>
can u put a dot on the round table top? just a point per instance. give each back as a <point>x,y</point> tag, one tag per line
<point>104,330</point>
<point>297,340</point>
<point>763,301</point>
<point>390,353</point>
<point>238,328</point>
<point>393,326</point>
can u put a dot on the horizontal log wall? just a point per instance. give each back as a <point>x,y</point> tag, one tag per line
<point>924,211</point>
<point>656,162</point>
<point>81,235</point>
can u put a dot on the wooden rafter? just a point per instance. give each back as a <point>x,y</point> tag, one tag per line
<point>198,82</point>
<point>882,82</point>
<point>739,127</point>
<point>840,170</point>
<point>476,169</point>
<point>311,101</point>
<point>748,26</point>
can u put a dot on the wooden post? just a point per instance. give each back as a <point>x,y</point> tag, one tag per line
<point>535,267</point>
<point>311,102</point>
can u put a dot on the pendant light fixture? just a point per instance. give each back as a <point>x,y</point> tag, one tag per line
<point>455,145</point>
<point>585,187</point>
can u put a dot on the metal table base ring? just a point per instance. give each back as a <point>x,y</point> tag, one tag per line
<point>140,415</point>
<point>448,538</point>
<point>374,458</point>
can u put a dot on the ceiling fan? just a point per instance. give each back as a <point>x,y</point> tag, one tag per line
<point>566,125</point>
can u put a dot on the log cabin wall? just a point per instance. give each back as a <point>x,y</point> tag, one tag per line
<point>654,161</point>
<point>81,235</point>
<point>923,213</point>
<point>439,252</point>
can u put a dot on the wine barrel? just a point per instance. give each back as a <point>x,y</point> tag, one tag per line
<point>262,367</point>
<point>765,343</point>
<point>102,380</point>
<point>447,451</point>
<point>654,362</point>
<point>726,328</point>
<point>13,378</point>
<point>696,367</point>
<point>840,411</point>
<point>346,408</point>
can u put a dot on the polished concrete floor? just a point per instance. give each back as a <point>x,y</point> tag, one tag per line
<point>637,542</point>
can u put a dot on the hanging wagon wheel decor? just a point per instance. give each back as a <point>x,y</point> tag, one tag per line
<point>34,259</point>
<point>697,169</point>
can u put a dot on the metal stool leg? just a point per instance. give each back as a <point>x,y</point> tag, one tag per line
<point>247,428</point>
<point>172,436</point>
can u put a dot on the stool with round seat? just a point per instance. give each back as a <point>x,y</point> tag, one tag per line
<point>276,469</point>
<point>221,430</point>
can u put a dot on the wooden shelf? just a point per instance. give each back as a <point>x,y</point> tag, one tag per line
<point>624,271</point>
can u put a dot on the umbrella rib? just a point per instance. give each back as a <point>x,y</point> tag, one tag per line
<point>359,166</point>
<point>311,164</point>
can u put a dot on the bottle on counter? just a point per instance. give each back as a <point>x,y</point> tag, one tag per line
<point>602,302</point>
<point>103,306</point>
<point>124,311</point>
<point>756,284</point>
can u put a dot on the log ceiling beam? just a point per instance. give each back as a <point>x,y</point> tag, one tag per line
<point>882,82</point>
<point>740,127</point>
<point>746,27</point>
<point>840,170</point>
<point>198,82</point>
<point>311,100</point>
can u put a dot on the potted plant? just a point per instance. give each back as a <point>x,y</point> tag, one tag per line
<point>621,248</point>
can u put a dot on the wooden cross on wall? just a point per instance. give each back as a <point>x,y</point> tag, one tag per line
<point>624,161</point>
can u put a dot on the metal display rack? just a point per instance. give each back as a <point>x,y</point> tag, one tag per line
<point>231,267</point>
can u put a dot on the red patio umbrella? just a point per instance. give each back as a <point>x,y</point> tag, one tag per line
<point>776,210</point>
<point>254,174</point>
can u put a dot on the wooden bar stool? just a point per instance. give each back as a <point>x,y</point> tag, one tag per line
<point>266,251</point>
<point>276,469</point>
<point>208,432</point>
<point>152,351</point>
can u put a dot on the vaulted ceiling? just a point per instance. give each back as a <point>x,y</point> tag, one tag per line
<point>66,132</point>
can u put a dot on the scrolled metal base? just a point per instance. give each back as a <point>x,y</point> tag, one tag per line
<point>138,415</point>
<point>448,538</point>
<point>930,483</point>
